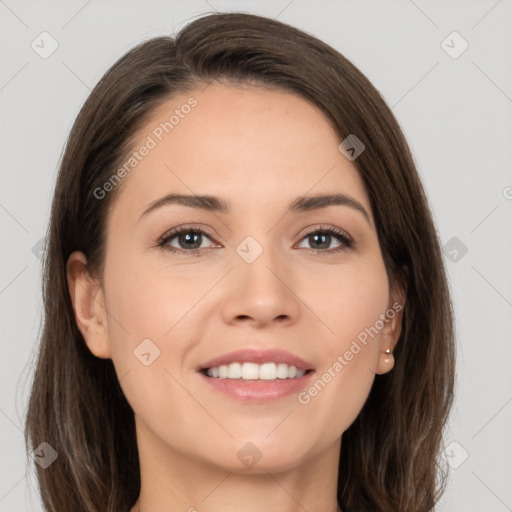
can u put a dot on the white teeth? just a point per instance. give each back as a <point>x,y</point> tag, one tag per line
<point>282,371</point>
<point>250,371</point>
<point>268,371</point>
<point>253,371</point>
<point>235,371</point>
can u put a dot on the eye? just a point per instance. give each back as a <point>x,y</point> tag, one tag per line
<point>323,236</point>
<point>188,239</point>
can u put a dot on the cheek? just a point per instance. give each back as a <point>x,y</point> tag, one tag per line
<point>147,304</point>
<point>160,316</point>
<point>150,329</point>
<point>348,300</point>
<point>350,304</point>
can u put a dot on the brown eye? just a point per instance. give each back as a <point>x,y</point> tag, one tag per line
<point>184,240</point>
<point>321,240</point>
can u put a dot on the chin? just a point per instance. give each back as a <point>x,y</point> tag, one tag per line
<point>260,456</point>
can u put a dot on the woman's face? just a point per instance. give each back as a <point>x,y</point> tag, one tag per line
<point>264,273</point>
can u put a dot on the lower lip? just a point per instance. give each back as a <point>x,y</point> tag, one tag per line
<point>258,390</point>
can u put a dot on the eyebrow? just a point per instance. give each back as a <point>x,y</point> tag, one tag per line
<point>219,205</point>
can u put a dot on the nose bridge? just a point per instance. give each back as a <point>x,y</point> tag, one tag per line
<point>259,262</point>
<point>262,282</point>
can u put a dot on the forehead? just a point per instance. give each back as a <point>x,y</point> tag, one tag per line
<point>249,144</point>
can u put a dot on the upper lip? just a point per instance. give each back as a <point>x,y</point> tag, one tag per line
<point>259,356</point>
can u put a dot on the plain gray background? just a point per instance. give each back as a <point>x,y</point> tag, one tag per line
<point>455,109</point>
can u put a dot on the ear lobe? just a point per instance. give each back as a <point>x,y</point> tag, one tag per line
<point>88,303</point>
<point>392,329</point>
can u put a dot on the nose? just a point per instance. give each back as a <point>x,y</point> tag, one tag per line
<point>262,292</point>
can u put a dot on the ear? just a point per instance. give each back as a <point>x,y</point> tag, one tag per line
<point>392,328</point>
<point>89,305</point>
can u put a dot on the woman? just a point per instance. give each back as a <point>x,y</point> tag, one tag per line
<point>245,299</point>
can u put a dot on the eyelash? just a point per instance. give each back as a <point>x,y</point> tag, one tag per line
<point>346,241</point>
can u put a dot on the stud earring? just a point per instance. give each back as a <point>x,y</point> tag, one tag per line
<point>388,351</point>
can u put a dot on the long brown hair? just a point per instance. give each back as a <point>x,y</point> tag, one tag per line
<point>391,454</point>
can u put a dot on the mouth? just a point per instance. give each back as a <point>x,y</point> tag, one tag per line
<point>246,371</point>
<point>252,375</point>
<point>256,364</point>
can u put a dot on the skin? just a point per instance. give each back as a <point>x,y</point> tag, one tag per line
<point>258,149</point>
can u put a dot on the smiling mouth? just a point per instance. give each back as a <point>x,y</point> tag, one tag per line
<point>246,371</point>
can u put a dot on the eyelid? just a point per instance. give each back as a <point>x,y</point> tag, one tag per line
<point>328,228</point>
<point>189,227</point>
